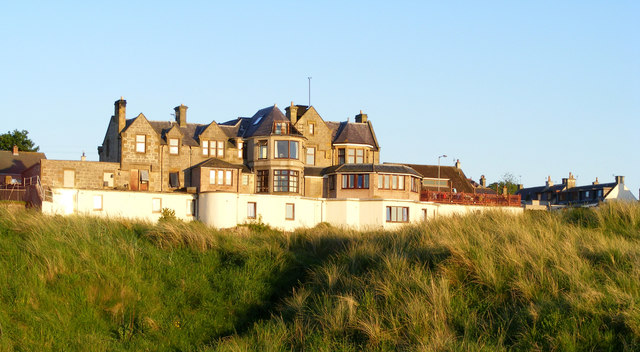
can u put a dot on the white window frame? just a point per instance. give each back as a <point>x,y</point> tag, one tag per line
<point>141,143</point>
<point>173,146</point>
<point>205,148</point>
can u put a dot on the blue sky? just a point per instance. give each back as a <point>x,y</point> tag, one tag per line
<point>531,88</point>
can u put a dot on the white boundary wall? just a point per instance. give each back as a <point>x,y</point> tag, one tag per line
<point>224,210</point>
<point>117,204</point>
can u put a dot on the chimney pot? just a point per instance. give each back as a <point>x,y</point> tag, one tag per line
<point>292,113</point>
<point>596,182</point>
<point>15,150</point>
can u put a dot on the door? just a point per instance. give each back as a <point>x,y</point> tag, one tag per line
<point>134,180</point>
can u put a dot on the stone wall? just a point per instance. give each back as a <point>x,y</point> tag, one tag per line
<point>87,174</point>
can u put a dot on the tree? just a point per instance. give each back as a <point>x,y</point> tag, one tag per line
<point>507,179</point>
<point>19,138</point>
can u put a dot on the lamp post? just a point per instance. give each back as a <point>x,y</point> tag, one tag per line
<point>438,180</point>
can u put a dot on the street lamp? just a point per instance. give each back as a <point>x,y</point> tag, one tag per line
<point>438,181</point>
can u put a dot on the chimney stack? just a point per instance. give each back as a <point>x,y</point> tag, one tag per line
<point>596,182</point>
<point>121,113</point>
<point>483,181</point>
<point>83,157</point>
<point>520,186</point>
<point>181,115</point>
<point>292,113</point>
<point>549,182</point>
<point>619,180</point>
<point>458,164</point>
<point>15,149</point>
<point>361,118</point>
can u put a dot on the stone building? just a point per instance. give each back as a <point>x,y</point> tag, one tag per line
<point>288,169</point>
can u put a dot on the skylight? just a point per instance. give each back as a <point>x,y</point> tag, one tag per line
<point>257,121</point>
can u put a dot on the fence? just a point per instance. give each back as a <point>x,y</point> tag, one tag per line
<point>20,191</point>
<point>470,198</point>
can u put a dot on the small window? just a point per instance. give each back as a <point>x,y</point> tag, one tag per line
<point>212,177</point>
<point>97,202</point>
<point>359,156</point>
<point>227,177</point>
<point>156,205</point>
<point>173,146</point>
<point>141,143</point>
<point>262,181</point>
<point>397,214</point>
<point>251,210</point>
<point>220,177</point>
<point>332,182</point>
<point>424,214</point>
<point>205,148</point>
<point>144,176</point>
<point>263,150</point>
<point>290,211</point>
<point>220,149</point>
<point>174,180</point>
<point>312,129</point>
<point>351,156</point>
<point>245,179</point>
<point>280,128</point>
<point>240,148</point>
<point>341,156</point>
<point>311,156</point>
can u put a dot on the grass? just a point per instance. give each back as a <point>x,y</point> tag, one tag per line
<point>542,281</point>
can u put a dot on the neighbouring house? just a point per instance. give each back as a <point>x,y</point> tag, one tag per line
<point>567,194</point>
<point>16,169</point>
<point>288,169</point>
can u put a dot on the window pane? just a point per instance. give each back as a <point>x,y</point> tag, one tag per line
<point>311,129</point>
<point>386,181</point>
<point>289,211</point>
<point>293,150</point>
<point>311,156</point>
<point>360,183</point>
<point>351,156</point>
<point>227,178</point>
<point>251,210</point>
<point>156,205</point>
<point>97,202</point>
<point>212,177</point>
<point>205,147</point>
<point>388,214</point>
<point>359,156</point>
<point>400,182</point>
<point>341,156</point>
<point>366,181</point>
<point>380,184</point>
<point>220,148</point>
<point>282,149</point>
<point>394,182</point>
<point>405,214</point>
<point>220,177</point>
<point>345,184</point>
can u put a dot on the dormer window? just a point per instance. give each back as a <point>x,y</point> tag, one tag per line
<point>173,146</point>
<point>281,128</point>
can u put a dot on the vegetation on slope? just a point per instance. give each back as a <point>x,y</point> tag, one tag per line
<point>542,281</point>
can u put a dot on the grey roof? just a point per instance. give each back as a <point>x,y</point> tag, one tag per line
<point>458,180</point>
<point>214,162</point>
<point>371,168</point>
<point>261,123</point>
<point>188,132</point>
<point>353,132</point>
<point>16,164</point>
<point>313,170</point>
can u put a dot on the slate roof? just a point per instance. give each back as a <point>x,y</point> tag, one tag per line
<point>217,163</point>
<point>261,123</point>
<point>371,168</point>
<point>313,171</point>
<point>353,132</point>
<point>458,180</point>
<point>16,164</point>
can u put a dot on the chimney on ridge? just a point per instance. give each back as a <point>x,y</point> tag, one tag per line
<point>361,118</point>
<point>181,115</point>
<point>619,180</point>
<point>596,182</point>
<point>549,182</point>
<point>292,113</point>
<point>15,149</point>
<point>83,157</point>
<point>570,182</point>
<point>121,113</point>
<point>483,181</point>
<point>458,164</point>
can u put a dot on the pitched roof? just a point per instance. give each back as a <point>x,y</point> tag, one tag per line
<point>353,132</point>
<point>16,164</point>
<point>261,123</point>
<point>313,171</point>
<point>217,163</point>
<point>371,168</point>
<point>458,180</point>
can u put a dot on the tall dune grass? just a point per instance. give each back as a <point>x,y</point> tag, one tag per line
<point>542,281</point>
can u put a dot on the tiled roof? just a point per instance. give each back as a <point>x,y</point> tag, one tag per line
<point>261,123</point>
<point>217,163</point>
<point>458,180</point>
<point>313,171</point>
<point>371,168</point>
<point>16,164</point>
<point>352,132</point>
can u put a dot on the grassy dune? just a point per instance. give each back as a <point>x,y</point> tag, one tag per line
<point>542,281</point>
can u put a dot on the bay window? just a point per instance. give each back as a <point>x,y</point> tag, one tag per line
<point>285,181</point>
<point>355,181</point>
<point>286,149</point>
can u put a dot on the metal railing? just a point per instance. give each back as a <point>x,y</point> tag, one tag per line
<point>470,198</point>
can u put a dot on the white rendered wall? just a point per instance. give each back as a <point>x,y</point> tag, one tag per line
<point>117,204</point>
